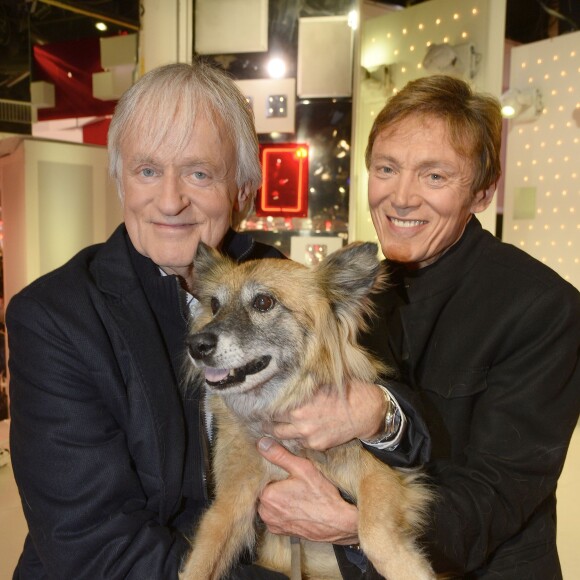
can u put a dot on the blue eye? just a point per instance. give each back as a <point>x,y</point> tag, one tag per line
<point>148,172</point>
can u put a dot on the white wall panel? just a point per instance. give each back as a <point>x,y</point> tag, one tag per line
<point>65,205</point>
<point>231,26</point>
<point>542,173</point>
<point>325,49</point>
<point>56,199</point>
<point>166,34</point>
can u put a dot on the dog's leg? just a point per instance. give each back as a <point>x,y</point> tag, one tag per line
<point>274,552</point>
<point>227,528</point>
<point>390,505</point>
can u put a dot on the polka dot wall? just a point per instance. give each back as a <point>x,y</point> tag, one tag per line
<point>542,168</point>
<point>402,40</point>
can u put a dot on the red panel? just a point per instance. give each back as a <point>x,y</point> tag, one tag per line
<point>70,67</point>
<point>96,133</point>
<point>284,189</point>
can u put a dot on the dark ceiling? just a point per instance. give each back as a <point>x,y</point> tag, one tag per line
<point>24,23</point>
<point>27,22</point>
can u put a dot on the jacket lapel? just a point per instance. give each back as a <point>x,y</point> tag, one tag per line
<point>150,362</point>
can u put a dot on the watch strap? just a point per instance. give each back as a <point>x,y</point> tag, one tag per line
<point>395,425</point>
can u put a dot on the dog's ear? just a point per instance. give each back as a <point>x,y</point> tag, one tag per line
<point>205,259</point>
<point>350,275</point>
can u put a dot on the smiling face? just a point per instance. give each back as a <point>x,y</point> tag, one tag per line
<point>173,198</point>
<point>419,191</point>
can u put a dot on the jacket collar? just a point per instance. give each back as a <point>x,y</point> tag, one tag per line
<point>112,268</point>
<point>429,289</point>
<point>446,273</point>
<point>237,246</point>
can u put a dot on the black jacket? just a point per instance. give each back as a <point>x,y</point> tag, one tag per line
<point>489,338</point>
<point>106,450</point>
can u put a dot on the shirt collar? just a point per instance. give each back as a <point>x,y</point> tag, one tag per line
<point>447,271</point>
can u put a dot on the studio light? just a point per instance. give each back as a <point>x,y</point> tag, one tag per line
<point>353,19</point>
<point>276,68</point>
<point>379,76</point>
<point>460,60</point>
<point>525,105</point>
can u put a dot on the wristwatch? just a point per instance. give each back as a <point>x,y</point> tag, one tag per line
<point>395,425</point>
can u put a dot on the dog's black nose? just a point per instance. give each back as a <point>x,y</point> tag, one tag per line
<point>202,345</point>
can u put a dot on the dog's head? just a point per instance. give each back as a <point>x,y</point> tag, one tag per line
<point>275,330</point>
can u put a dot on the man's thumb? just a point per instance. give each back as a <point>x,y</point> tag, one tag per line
<point>276,453</point>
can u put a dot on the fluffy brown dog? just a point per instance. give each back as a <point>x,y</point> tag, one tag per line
<point>269,334</point>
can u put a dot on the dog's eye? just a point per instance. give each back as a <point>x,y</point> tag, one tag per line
<point>263,302</point>
<point>214,304</point>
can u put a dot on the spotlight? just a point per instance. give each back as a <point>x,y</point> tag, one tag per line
<point>524,105</point>
<point>353,19</point>
<point>276,68</point>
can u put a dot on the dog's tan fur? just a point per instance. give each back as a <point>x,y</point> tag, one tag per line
<point>310,333</point>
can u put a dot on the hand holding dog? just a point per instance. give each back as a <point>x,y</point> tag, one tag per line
<point>330,419</point>
<point>306,504</point>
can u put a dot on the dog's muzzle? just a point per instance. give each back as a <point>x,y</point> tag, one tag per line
<point>203,345</point>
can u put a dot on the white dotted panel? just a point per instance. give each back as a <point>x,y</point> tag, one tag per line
<point>542,185</point>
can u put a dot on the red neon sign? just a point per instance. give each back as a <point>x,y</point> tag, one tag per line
<point>284,189</point>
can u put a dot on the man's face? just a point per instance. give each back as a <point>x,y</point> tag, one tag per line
<point>419,192</point>
<point>172,200</point>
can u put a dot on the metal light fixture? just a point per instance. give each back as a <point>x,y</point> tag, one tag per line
<point>380,76</point>
<point>525,105</point>
<point>459,59</point>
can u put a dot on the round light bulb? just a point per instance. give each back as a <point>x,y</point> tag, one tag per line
<point>276,68</point>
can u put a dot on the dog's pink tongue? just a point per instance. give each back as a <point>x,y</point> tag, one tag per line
<point>215,375</point>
